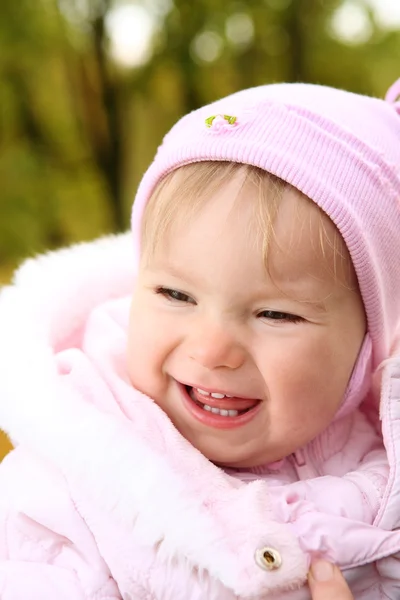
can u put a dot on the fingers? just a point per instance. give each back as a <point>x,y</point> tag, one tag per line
<point>327,583</point>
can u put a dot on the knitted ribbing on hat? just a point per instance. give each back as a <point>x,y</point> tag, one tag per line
<point>340,149</point>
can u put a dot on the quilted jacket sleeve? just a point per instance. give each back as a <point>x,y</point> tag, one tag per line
<point>46,550</point>
<point>334,516</point>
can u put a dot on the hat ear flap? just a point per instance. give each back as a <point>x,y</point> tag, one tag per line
<point>393,95</point>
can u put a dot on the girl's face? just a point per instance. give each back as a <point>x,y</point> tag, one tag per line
<point>250,363</point>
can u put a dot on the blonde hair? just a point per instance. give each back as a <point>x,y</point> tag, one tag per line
<point>181,194</point>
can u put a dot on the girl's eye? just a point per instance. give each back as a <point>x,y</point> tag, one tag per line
<point>275,315</point>
<point>174,295</point>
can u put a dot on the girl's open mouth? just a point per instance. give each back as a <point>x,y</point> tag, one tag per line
<point>219,410</point>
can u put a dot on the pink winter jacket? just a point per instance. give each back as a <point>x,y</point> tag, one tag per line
<point>102,499</point>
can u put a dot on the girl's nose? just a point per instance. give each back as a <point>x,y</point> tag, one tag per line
<point>214,346</point>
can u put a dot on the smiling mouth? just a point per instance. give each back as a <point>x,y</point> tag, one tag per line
<point>220,404</point>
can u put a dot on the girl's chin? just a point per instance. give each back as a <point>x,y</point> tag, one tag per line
<point>227,457</point>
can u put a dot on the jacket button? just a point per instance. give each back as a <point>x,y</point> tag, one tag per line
<point>268,558</point>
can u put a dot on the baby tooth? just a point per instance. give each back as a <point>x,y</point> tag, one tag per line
<point>206,407</point>
<point>215,411</point>
<point>203,392</point>
<point>224,413</point>
<point>215,395</point>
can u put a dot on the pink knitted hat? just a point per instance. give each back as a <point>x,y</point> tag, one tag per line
<point>340,149</point>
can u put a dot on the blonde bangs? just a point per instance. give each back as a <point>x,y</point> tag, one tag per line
<point>181,194</point>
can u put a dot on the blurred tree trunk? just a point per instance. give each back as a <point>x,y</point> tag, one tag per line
<point>182,25</point>
<point>294,23</point>
<point>109,157</point>
<point>99,102</point>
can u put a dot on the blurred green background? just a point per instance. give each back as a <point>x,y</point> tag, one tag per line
<point>88,88</point>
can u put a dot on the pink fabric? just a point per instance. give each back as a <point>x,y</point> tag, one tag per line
<point>340,149</point>
<point>103,499</point>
